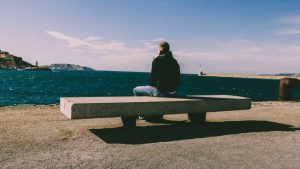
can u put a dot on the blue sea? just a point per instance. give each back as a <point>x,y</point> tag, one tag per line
<point>39,87</point>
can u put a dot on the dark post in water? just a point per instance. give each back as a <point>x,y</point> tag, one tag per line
<point>286,87</point>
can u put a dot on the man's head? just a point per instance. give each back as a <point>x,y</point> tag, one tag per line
<point>164,47</point>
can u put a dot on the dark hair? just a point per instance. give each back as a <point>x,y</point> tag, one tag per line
<point>165,47</point>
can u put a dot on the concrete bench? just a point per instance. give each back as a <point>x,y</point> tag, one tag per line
<point>128,108</point>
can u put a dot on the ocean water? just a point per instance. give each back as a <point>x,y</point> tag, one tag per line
<point>38,87</point>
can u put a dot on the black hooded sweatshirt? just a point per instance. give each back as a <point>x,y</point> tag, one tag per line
<point>165,73</point>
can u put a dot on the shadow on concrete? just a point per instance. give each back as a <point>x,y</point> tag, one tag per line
<point>185,130</point>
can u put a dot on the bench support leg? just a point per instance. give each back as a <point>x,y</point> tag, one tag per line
<point>129,122</point>
<point>197,118</point>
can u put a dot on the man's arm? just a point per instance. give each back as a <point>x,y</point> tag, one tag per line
<point>177,81</point>
<point>154,73</point>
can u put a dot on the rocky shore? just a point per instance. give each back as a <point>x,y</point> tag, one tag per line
<point>267,136</point>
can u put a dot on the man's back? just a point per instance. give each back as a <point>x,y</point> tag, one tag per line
<point>165,73</point>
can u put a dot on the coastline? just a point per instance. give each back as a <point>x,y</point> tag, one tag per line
<point>39,136</point>
<point>249,76</point>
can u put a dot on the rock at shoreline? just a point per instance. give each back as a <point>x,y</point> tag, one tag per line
<point>69,67</point>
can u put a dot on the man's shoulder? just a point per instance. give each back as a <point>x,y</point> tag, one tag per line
<point>157,59</point>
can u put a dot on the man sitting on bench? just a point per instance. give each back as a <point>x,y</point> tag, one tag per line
<point>164,79</point>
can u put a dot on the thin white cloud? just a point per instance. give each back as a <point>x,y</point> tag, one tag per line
<point>292,26</point>
<point>72,42</point>
<point>90,43</point>
<point>288,32</point>
<point>291,20</point>
<point>92,38</point>
<point>160,39</point>
<point>111,48</point>
<point>242,56</point>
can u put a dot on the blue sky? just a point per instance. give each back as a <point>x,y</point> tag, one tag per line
<point>224,36</point>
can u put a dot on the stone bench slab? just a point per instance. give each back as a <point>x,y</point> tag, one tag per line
<point>96,107</point>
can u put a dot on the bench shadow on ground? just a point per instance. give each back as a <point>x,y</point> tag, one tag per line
<point>174,131</point>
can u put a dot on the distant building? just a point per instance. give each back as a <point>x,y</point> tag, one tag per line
<point>8,61</point>
<point>4,54</point>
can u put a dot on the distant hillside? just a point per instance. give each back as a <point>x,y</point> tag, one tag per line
<point>282,74</point>
<point>9,61</point>
<point>70,67</point>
